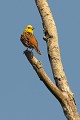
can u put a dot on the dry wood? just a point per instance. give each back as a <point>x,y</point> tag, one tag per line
<point>61,90</point>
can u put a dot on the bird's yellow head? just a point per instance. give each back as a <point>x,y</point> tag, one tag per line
<point>29,29</point>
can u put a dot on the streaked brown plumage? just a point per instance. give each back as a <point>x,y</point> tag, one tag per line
<point>29,40</point>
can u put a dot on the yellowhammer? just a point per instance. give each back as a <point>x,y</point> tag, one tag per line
<point>29,40</point>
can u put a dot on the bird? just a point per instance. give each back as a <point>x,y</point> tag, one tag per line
<point>29,40</point>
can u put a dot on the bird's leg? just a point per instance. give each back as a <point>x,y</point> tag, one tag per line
<point>25,50</point>
<point>32,50</point>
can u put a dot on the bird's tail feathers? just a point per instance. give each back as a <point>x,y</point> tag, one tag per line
<point>38,51</point>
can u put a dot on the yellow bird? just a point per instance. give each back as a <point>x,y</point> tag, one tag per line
<point>29,40</point>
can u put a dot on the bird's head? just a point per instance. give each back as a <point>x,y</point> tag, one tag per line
<point>29,29</point>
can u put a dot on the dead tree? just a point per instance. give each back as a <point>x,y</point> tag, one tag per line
<point>61,89</point>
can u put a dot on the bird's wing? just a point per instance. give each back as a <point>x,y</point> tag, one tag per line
<point>25,40</point>
<point>33,41</point>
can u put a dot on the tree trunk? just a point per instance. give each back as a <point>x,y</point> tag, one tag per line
<point>61,90</point>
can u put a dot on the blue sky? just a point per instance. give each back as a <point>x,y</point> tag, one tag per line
<point>22,95</point>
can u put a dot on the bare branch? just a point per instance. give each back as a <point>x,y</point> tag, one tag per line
<point>67,103</point>
<point>51,38</point>
<point>61,90</point>
<point>37,65</point>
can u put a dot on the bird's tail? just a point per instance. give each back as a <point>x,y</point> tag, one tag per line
<point>38,51</point>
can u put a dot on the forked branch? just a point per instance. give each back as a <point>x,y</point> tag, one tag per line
<point>61,90</point>
<point>37,65</point>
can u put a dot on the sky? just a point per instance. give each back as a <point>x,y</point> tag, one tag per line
<point>22,95</point>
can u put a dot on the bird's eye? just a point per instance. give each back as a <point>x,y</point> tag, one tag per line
<point>28,27</point>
